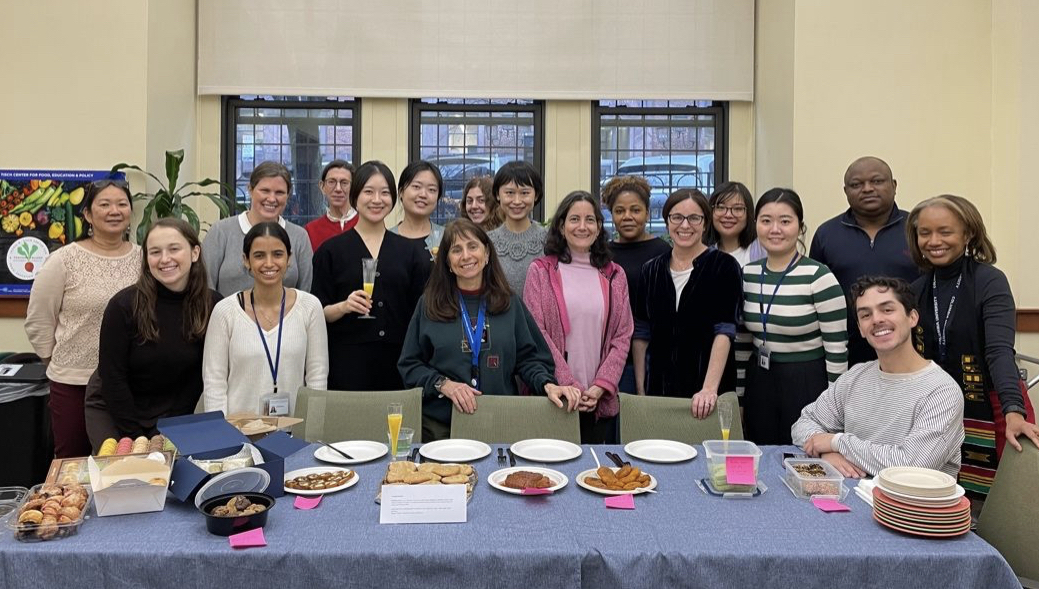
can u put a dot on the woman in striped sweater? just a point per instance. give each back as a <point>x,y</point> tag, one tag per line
<point>795,311</point>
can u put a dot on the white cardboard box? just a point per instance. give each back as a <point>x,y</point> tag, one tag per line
<point>123,486</point>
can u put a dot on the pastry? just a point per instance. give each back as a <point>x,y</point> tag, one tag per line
<point>140,446</point>
<point>523,479</point>
<point>108,447</point>
<point>417,477</point>
<point>124,446</point>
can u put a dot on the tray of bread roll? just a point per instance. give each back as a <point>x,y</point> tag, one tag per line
<point>403,472</point>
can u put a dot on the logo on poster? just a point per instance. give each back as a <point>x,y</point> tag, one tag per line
<point>25,257</point>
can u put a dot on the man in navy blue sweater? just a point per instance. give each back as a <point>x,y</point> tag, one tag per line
<point>869,239</point>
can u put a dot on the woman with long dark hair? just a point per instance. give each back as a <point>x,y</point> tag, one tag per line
<point>152,335</point>
<point>967,325</point>
<point>471,336</point>
<point>420,187</point>
<point>68,301</point>
<point>479,205</point>
<point>579,299</point>
<point>366,330</point>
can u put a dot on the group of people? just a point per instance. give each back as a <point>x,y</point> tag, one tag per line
<point>495,303</point>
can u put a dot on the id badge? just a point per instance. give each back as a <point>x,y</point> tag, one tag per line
<point>274,405</point>
<point>764,357</point>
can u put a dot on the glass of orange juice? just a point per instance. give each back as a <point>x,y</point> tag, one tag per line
<point>725,419</point>
<point>394,416</point>
<point>368,270</point>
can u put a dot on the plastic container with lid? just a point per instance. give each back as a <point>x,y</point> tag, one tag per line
<point>718,451</point>
<point>810,477</point>
<point>30,531</point>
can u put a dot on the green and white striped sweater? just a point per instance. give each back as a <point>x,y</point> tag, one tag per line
<point>808,317</point>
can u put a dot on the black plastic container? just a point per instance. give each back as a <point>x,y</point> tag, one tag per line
<point>226,526</point>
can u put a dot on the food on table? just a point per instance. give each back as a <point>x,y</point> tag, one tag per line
<point>167,445</point>
<point>332,479</point>
<point>523,479</point>
<point>238,506</point>
<point>720,480</point>
<point>51,511</point>
<point>626,478</point>
<point>815,470</point>
<point>253,427</point>
<point>108,447</point>
<point>124,447</point>
<point>140,445</point>
<point>159,481</point>
<point>156,443</point>
<point>403,472</point>
<point>242,459</point>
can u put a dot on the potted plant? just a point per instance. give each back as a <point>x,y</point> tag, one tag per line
<point>168,201</point>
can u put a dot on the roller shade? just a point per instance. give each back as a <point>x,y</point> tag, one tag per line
<point>539,49</point>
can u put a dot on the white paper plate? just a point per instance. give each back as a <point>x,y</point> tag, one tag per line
<point>302,472</point>
<point>918,482</point>
<point>361,450</point>
<point>660,451</point>
<point>498,476</point>
<point>454,450</point>
<point>946,501</point>
<point>545,450</point>
<point>592,472</point>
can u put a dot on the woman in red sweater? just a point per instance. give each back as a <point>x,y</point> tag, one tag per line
<point>579,299</point>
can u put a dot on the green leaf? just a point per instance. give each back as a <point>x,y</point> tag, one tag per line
<point>146,221</point>
<point>192,218</point>
<point>173,161</point>
<point>119,167</point>
<point>217,199</point>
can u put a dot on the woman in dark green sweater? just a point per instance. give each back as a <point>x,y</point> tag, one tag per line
<point>467,306</point>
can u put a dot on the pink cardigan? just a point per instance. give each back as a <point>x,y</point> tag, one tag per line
<point>543,295</point>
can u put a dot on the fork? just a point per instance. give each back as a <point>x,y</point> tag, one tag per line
<point>501,456</point>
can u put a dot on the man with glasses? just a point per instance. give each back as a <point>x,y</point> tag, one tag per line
<point>869,239</point>
<point>340,217</point>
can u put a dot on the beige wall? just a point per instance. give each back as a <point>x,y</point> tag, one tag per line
<point>943,89</point>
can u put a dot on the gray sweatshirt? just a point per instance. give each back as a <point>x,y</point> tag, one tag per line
<point>222,252</point>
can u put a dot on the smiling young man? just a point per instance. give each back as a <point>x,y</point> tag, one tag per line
<point>898,410</point>
<point>869,239</point>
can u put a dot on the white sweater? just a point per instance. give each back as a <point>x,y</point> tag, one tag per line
<point>235,371</point>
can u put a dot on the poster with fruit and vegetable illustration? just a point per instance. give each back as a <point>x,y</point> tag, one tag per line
<point>40,211</point>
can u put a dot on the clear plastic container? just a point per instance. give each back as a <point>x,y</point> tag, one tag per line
<point>809,477</point>
<point>10,498</point>
<point>30,531</point>
<point>717,451</point>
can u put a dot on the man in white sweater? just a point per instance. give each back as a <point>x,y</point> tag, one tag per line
<point>898,410</point>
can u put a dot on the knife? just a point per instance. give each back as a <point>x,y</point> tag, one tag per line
<point>512,457</point>
<point>336,450</point>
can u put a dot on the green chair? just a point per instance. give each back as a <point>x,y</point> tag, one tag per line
<point>333,416</point>
<point>1008,520</point>
<point>504,419</point>
<point>669,418</point>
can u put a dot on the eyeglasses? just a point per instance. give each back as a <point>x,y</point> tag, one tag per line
<point>344,184</point>
<point>677,219</point>
<point>106,182</point>
<point>737,211</point>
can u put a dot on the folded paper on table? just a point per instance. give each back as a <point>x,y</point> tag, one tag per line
<point>626,501</point>
<point>739,470</point>
<point>423,504</point>
<point>828,505</point>
<point>249,539</point>
<point>303,502</point>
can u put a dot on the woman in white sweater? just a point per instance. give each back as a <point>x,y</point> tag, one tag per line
<point>265,342</point>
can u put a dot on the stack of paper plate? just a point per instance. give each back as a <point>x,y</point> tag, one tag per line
<point>920,501</point>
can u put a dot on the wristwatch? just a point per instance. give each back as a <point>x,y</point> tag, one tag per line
<point>438,383</point>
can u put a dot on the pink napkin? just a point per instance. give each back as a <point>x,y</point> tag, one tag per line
<point>739,470</point>
<point>626,501</point>
<point>532,491</point>
<point>829,505</point>
<point>248,539</point>
<point>305,502</point>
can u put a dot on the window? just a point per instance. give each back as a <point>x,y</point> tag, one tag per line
<point>467,138</point>
<point>673,144</point>
<point>304,133</point>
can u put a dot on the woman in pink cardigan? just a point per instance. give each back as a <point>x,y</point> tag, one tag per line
<point>579,299</point>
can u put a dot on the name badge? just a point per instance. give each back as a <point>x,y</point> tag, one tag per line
<point>764,357</point>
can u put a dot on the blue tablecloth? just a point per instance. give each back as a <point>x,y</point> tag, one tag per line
<point>678,537</point>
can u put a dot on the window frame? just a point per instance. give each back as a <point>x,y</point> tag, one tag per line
<point>417,106</point>
<point>229,126</point>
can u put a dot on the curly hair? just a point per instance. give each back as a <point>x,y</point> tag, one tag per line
<point>621,184</point>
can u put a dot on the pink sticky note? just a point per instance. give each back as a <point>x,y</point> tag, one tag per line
<point>828,505</point>
<point>739,470</point>
<point>248,539</point>
<point>532,491</point>
<point>303,502</point>
<point>626,501</point>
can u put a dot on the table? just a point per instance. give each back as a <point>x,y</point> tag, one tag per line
<point>678,537</point>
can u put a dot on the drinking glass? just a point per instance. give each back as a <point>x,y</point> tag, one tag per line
<point>368,267</point>
<point>394,416</point>
<point>403,442</point>
<point>725,419</point>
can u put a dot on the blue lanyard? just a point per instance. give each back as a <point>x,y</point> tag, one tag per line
<point>281,320</point>
<point>766,311</point>
<point>473,336</point>
<point>938,326</point>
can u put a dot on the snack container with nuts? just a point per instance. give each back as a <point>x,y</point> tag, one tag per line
<point>810,477</point>
<point>51,512</point>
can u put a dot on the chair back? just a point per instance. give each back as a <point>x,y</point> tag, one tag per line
<point>504,419</point>
<point>670,418</point>
<point>334,416</point>
<point>1007,521</point>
